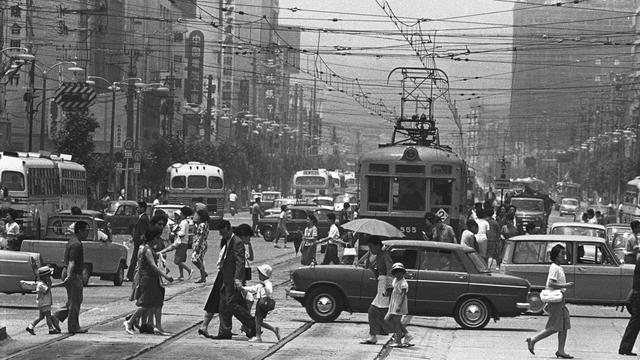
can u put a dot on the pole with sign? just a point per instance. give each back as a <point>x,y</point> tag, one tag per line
<point>503,171</point>
<point>128,153</point>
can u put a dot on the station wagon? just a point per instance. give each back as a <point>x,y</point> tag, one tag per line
<point>599,277</point>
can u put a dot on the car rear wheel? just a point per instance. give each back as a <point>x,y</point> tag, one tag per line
<point>118,277</point>
<point>472,313</point>
<point>324,304</point>
<point>267,234</point>
<point>86,274</point>
<point>535,303</point>
<point>629,309</point>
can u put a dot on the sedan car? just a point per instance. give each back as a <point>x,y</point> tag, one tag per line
<point>613,229</point>
<point>122,216</point>
<point>444,280</point>
<point>620,244</point>
<point>16,266</point>
<point>297,221</point>
<point>569,206</point>
<point>599,277</point>
<point>577,228</point>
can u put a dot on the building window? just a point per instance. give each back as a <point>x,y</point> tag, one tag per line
<point>177,36</point>
<point>15,43</point>
<point>597,79</point>
<point>15,29</point>
<point>178,83</point>
<point>616,62</point>
<point>598,61</point>
<point>16,12</point>
<point>177,58</point>
<point>14,79</point>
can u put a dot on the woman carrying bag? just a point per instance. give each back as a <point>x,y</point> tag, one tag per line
<point>559,320</point>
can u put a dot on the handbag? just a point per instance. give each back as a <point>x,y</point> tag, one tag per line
<point>247,273</point>
<point>551,296</point>
<point>266,304</point>
<point>349,251</point>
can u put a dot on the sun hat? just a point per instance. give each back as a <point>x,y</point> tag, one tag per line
<point>43,271</point>
<point>398,266</point>
<point>177,212</point>
<point>265,270</point>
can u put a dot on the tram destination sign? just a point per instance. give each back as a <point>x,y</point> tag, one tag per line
<point>503,173</point>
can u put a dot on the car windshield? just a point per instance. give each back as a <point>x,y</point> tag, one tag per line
<point>478,262</point>
<point>571,202</point>
<point>323,202</point>
<point>528,204</point>
<point>578,230</point>
<point>620,240</point>
<point>111,208</point>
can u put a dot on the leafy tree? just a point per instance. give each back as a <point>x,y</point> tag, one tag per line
<point>74,135</point>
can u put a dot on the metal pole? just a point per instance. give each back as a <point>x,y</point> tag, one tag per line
<point>113,126</point>
<point>43,111</point>
<point>126,178</point>
<point>30,102</point>
<point>207,117</point>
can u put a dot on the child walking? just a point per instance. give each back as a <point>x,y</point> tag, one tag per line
<point>44,300</point>
<point>398,307</point>
<point>263,294</point>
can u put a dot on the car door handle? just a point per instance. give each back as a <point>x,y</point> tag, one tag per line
<point>410,276</point>
<point>376,279</point>
<point>461,276</point>
<point>581,269</point>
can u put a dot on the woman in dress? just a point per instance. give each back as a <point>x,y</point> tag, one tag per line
<point>309,240</point>
<point>12,230</point>
<point>559,320</point>
<point>150,292</point>
<point>201,219</point>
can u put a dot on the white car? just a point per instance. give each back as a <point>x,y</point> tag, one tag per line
<point>569,206</point>
<point>323,202</point>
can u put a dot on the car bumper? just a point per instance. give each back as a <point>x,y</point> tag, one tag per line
<point>295,293</point>
<point>522,306</point>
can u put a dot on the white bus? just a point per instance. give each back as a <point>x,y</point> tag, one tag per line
<point>196,182</point>
<point>308,184</point>
<point>631,201</point>
<point>39,186</point>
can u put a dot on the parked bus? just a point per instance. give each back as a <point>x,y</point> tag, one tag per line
<point>39,186</point>
<point>351,183</point>
<point>308,184</point>
<point>195,182</point>
<point>631,201</point>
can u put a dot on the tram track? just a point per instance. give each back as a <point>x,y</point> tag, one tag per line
<point>280,260</point>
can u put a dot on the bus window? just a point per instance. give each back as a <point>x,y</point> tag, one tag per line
<point>13,180</point>
<point>215,182</point>
<point>441,191</point>
<point>197,182</point>
<point>378,193</point>
<point>179,182</point>
<point>408,194</point>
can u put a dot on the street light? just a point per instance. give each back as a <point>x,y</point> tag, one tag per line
<point>75,68</point>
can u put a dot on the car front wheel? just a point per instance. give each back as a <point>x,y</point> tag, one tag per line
<point>324,304</point>
<point>472,313</point>
<point>118,277</point>
<point>267,233</point>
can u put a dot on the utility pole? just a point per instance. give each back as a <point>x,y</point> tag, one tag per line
<point>29,98</point>
<point>220,70</point>
<point>207,117</point>
<point>131,88</point>
<point>170,105</point>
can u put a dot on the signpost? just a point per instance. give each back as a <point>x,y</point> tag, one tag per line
<point>502,180</point>
<point>128,151</point>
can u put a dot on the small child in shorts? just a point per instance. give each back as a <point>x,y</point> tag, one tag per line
<point>44,301</point>
<point>398,307</point>
<point>263,295</point>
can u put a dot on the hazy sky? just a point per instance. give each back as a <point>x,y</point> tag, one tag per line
<point>479,25</point>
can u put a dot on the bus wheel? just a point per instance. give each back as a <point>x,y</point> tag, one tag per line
<point>267,234</point>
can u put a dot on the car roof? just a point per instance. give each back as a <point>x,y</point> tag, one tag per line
<point>124,202</point>
<point>578,224</point>
<point>569,198</point>
<point>557,237</point>
<point>322,198</point>
<point>168,206</point>
<point>626,226</point>
<point>423,243</point>
<point>306,207</point>
<point>84,212</point>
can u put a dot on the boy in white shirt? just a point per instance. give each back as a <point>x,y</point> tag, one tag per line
<point>263,294</point>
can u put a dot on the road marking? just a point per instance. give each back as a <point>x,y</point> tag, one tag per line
<point>277,346</point>
<point>386,349</point>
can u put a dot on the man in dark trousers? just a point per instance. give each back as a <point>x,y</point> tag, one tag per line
<point>232,271</point>
<point>141,228</point>
<point>633,327</point>
<point>74,259</point>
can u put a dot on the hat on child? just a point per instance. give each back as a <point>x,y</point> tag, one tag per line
<point>265,270</point>
<point>43,271</point>
<point>398,266</point>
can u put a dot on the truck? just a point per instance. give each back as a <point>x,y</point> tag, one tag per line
<point>102,257</point>
<point>532,208</point>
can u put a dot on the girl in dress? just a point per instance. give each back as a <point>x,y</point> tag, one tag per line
<point>398,307</point>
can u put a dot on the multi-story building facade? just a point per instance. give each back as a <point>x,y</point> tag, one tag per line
<point>563,56</point>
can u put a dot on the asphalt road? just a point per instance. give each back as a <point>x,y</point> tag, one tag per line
<point>595,333</point>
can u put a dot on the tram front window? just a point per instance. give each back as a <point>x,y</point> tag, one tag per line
<point>408,194</point>
<point>441,190</point>
<point>378,193</point>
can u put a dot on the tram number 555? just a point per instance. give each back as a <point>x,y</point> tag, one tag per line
<point>408,229</point>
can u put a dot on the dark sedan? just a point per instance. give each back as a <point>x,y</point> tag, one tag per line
<point>296,221</point>
<point>444,280</point>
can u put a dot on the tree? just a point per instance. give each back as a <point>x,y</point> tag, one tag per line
<point>74,136</point>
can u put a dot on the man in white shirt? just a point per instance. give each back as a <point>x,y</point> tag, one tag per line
<point>331,254</point>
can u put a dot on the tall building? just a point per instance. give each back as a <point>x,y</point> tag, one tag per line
<point>563,58</point>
